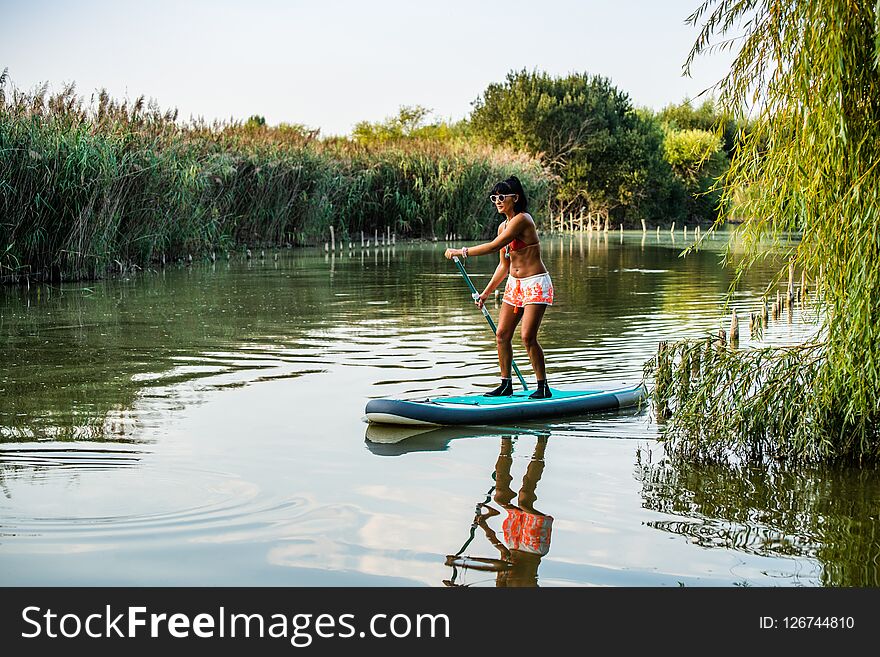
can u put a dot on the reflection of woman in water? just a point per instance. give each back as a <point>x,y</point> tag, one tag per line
<point>526,530</point>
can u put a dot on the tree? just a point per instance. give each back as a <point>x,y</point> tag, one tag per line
<point>411,122</point>
<point>707,116</point>
<point>809,69</point>
<point>697,161</point>
<point>605,153</point>
<point>255,122</point>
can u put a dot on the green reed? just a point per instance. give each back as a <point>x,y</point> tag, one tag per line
<point>91,187</point>
<point>752,404</point>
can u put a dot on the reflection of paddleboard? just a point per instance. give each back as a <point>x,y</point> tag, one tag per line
<point>481,410</point>
<point>396,439</point>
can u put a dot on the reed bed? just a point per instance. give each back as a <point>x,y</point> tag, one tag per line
<point>751,406</point>
<point>91,187</point>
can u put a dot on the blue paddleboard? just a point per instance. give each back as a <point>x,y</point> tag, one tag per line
<point>480,410</point>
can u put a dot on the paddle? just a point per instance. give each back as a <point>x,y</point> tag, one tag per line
<point>476,295</point>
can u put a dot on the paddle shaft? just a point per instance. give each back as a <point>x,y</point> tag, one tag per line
<point>476,295</point>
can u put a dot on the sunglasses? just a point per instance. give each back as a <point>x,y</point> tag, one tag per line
<point>498,198</point>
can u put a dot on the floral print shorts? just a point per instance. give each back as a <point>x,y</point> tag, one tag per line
<point>520,292</point>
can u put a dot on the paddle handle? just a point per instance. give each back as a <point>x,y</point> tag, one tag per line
<point>476,296</point>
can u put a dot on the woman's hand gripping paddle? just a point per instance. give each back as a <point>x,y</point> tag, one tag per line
<point>476,296</point>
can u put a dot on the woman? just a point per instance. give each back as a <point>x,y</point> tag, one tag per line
<point>529,289</point>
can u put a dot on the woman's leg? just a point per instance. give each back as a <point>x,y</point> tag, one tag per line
<point>507,321</point>
<point>532,316</point>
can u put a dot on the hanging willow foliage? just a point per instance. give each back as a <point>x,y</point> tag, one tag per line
<point>809,72</point>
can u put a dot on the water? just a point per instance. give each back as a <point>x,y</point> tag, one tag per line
<point>203,426</point>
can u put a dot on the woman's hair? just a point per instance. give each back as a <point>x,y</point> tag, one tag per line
<point>512,185</point>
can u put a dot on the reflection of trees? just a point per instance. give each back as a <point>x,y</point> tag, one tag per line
<point>825,514</point>
<point>76,359</point>
<point>653,269</point>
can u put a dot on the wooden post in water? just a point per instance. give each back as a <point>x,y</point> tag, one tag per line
<point>644,227</point>
<point>734,327</point>
<point>791,281</point>
<point>672,229</point>
<point>663,381</point>
<point>685,231</point>
<point>362,239</point>
<point>332,239</point>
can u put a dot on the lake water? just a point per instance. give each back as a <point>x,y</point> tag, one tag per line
<point>203,425</point>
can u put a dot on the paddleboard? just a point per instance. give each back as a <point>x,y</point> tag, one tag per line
<point>478,409</point>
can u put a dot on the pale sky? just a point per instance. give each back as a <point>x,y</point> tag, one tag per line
<point>331,63</point>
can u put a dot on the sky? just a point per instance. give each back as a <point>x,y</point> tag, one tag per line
<point>329,64</point>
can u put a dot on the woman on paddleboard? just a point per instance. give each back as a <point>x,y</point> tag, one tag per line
<point>528,290</point>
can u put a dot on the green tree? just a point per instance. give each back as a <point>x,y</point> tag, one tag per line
<point>606,154</point>
<point>410,123</point>
<point>255,122</point>
<point>707,116</point>
<point>697,161</point>
<point>809,168</point>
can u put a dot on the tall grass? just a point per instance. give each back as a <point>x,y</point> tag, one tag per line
<point>88,187</point>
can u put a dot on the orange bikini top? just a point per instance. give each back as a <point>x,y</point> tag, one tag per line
<point>516,245</point>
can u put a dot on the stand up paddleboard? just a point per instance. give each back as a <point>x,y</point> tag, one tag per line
<point>481,410</point>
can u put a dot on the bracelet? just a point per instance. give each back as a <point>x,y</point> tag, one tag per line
<point>464,251</point>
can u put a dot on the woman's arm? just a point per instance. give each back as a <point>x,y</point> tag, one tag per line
<point>501,272</point>
<point>512,228</point>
